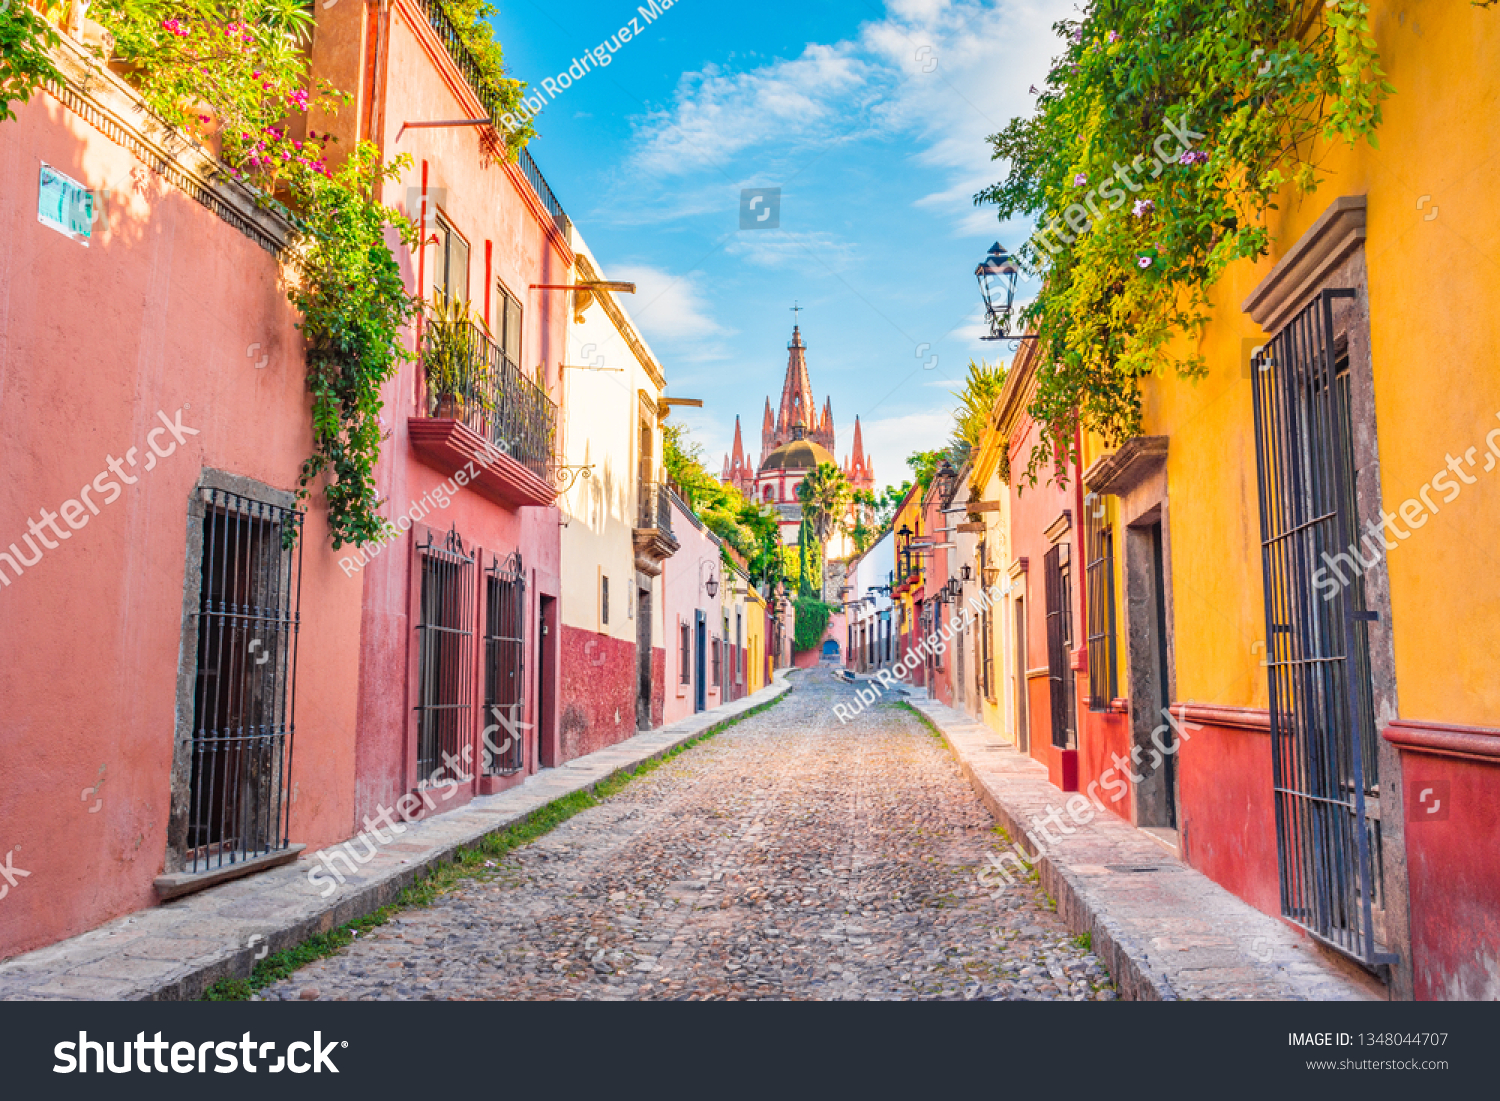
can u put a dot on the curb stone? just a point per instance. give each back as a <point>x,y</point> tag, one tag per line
<point>1164,930</point>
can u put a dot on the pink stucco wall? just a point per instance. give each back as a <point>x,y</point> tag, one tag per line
<point>169,308</point>
<point>683,596</point>
<point>487,201</point>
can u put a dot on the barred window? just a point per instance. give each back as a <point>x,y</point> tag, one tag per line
<point>445,640</point>
<point>1099,546</point>
<point>715,647</point>
<point>604,600</point>
<point>504,666</point>
<point>238,805</point>
<point>986,655</point>
<point>1059,592</point>
<point>685,666</point>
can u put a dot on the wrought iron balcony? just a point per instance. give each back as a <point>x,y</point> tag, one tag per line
<point>471,380</point>
<point>656,508</point>
<point>653,537</point>
<point>492,99</point>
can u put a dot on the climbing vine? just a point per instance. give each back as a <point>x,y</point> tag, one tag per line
<point>25,38</point>
<point>1165,132</point>
<point>354,305</point>
<point>235,75</point>
<point>811,620</point>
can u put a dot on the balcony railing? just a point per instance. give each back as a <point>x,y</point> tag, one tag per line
<point>490,97</point>
<point>656,507</point>
<point>470,379</point>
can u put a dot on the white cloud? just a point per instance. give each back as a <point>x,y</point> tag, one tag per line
<point>670,309</point>
<point>941,76</point>
<point>891,439</point>
<point>772,248</point>
<point>718,114</point>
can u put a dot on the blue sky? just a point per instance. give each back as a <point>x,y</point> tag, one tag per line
<point>871,118</point>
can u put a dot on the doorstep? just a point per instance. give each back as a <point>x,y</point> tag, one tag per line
<point>221,931</point>
<point>1164,931</point>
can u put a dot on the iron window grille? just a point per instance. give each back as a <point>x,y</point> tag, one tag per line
<point>505,666</point>
<point>685,673</point>
<point>1324,760</point>
<point>604,600</point>
<point>1059,644</point>
<point>1099,551</point>
<point>986,655</point>
<point>715,646</point>
<point>245,681</point>
<point>445,663</point>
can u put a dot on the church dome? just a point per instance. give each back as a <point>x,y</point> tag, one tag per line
<point>796,455</point>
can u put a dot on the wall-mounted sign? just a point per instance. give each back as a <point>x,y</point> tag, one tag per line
<point>65,205</point>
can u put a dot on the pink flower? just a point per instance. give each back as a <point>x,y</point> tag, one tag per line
<point>1143,263</point>
<point>1142,207</point>
<point>1114,36</point>
<point>1080,179</point>
<point>1193,156</point>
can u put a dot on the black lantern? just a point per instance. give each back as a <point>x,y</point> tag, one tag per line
<point>946,478</point>
<point>712,586</point>
<point>966,574</point>
<point>997,274</point>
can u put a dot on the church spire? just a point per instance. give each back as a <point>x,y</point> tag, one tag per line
<point>797,404</point>
<point>737,471</point>
<point>859,471</point>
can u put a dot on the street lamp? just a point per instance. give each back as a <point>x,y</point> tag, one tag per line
<point>946,479</point>
<point>997,274</point>
<point>965,573</point>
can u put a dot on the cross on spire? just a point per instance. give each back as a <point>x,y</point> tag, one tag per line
<point>796,309</point>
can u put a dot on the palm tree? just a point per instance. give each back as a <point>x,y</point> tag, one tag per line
<point>825,495</point>
<point>976,403</point>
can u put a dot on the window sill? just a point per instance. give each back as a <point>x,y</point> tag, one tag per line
<point>177,884</point>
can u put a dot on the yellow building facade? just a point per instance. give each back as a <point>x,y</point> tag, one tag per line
<point>1327,499</point>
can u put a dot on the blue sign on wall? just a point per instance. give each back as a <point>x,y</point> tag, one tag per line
<point>65,205</point>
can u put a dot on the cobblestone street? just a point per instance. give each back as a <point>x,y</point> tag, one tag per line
<point>789,857</point>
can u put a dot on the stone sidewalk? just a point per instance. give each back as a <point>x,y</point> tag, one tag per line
<point>1165,931</point>
<point>180,948</point>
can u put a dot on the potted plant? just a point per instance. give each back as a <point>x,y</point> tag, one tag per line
<point>450,360</point>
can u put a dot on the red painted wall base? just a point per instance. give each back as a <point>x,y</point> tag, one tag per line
<point>597,694</point>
